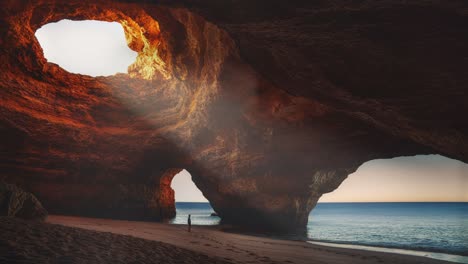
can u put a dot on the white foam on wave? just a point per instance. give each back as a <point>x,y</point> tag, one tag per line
<point>433,255</point>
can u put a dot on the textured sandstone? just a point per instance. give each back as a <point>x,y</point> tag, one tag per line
<point>15,202</point>
<point>267,108</point>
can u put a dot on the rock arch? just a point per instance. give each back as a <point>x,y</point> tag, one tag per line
<point>264,126</point>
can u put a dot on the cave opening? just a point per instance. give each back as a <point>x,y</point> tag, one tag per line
<point>88,47</point>
<point>405,179</point>
<point>190,200</point>
<point>390,198</point>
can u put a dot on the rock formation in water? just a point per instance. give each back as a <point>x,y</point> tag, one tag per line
<point>268,104</point>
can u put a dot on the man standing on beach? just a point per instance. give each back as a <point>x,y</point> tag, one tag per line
<point>189,222</point>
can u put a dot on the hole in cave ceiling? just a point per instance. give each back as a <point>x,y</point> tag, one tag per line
<point>89,47</point>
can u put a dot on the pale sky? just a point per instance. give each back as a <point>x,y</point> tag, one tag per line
<point>404,179</point>
<point>89,47</point>
<point>423,178</point>
<point>98,48</point>
<point>185,189</point>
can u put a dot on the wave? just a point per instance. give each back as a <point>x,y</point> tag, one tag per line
<point>446,256</point>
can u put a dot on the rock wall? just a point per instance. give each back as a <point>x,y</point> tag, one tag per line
<point>267,108</point>
<point>15,202</point>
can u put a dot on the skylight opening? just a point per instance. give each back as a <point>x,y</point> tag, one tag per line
<point>88,47</point>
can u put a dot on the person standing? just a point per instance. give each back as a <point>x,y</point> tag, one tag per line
<point>189,222</point>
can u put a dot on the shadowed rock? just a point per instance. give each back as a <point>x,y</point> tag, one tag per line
<point>15,202</point>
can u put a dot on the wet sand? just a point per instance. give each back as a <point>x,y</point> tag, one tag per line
<point>217,245</point>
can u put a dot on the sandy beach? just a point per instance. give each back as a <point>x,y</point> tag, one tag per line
<point>216,246</point>
<point>24,241</point>
<point>66,239</point>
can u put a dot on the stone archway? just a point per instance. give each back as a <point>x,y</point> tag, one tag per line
<point>265,125</point>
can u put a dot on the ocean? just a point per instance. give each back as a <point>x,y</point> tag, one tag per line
<point>425,227</point>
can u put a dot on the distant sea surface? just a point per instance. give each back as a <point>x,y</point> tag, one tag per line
<point>433,227</point>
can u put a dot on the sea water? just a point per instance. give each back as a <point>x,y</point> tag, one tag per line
<point>431,227</point>
<point>200,214</point>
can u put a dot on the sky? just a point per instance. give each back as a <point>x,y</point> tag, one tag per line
<point>98,48</point>
<point>417,179</point>
<point>184,188</point>
<point>423,178</point>
<point>89,47</point>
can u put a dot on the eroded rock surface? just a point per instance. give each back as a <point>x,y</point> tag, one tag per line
<point>15,202</point>
<point>267,108</point>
